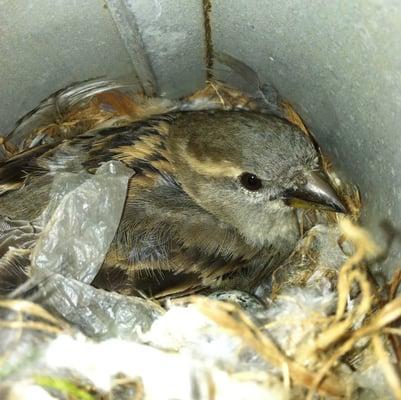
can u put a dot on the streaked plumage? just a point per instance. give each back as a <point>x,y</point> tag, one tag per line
<point>189,224</point>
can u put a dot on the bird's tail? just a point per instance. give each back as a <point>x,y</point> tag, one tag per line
<point>17,238</point>
<point>93,104</point>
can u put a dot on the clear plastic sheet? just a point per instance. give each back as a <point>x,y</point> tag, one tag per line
<point>97,313</point>
<point>78,227</point>
<point>80,222</point>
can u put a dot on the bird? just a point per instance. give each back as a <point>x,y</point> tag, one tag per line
<point>211,204</point>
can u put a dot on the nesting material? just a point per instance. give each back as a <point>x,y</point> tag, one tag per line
<point>300,343</point>
<point>320,327</point>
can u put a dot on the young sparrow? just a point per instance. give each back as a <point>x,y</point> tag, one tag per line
<point>211,204</point>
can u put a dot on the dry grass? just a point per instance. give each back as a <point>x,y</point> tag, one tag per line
<point>230,318</point>
<point>21,316</point>
<point>312,366</point>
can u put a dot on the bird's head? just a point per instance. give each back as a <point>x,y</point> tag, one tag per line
<point>249,169</point>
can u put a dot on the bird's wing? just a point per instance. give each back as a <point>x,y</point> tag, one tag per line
<point>182,274</point>
<point>177,276</point>
<point>138,145</point>
<point>176,255</point>
<point>134,145</point>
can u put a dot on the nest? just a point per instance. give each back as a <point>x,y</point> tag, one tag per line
<point>327,329</point>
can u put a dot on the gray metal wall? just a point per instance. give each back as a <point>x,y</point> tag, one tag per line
<point>338,62</point>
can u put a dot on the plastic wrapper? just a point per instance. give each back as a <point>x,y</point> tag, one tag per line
<point>77,234</point>
<point>78,227</point>
<point>97,313</point>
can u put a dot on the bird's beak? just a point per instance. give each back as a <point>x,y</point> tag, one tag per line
<point>315,192</point>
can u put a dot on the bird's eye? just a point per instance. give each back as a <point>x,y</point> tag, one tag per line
<point>250,181</point>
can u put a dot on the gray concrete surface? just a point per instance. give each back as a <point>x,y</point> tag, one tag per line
<point>338,62</point>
